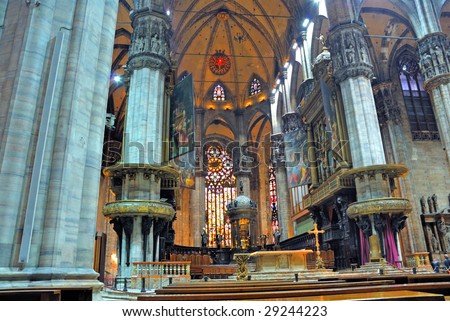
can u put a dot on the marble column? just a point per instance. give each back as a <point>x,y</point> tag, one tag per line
<point>197,208</point>
<point>63,221</point>
<point>353,72</point>
<point>434,54</point>
<point>285,210</point>
<point>146,217</point>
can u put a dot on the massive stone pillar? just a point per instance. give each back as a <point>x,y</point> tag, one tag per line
<point>434,54</point>
<point>140,218</point>
<point>54,86</point>
<point>376,209</point>
<point>197,208</point>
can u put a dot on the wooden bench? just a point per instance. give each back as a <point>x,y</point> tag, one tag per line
<point>266,288</point>
<point>398,278</point>
<point>401,295</point>
<point>253,283</point>
<point>441,288</point>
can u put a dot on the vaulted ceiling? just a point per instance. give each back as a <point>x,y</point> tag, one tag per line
<point>254,34</point>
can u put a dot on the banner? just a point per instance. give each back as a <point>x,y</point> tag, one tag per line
<point>182,118</point>
<point>297,165</point>
<point>186,166</point>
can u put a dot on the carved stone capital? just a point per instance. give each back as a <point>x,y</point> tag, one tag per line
<point>291,122</point>
<point>386,104</point>
<point>349,52</point>
<point>434,55</point>
<point>150,42</point>
<point>278,155</point>
<point>437,81</point>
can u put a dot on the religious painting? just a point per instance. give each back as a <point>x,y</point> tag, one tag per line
<point>297,164</point>
<point>186,166</point>
<point>182,117</point>
<point>330,115</point>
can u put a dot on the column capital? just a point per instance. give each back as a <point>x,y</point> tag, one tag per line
<point>291,122</point>
<point>349,52</point>
<point>150,41</point>
<point>278,154</point>
<point>434,56</point>
<point>385,103</point>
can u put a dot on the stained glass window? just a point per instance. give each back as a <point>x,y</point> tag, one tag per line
<point>220,190</point>
<point>255,87</point>
<point>219,93</point>
<point>273,199</point>
<point>418,105</point>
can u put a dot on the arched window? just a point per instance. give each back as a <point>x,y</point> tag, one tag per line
<point>220,190</point>
<point>255,87</point>
<point>219,93</point>
<point>418,105</point>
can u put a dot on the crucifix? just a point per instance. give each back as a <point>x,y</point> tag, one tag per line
<point>316,232</point>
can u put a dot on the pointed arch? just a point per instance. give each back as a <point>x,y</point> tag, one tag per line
<point>210,92</point>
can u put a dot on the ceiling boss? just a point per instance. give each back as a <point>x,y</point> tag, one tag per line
<point>219,63</point>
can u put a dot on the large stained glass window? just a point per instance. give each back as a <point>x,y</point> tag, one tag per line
<point>273,199</point>
<point>255,87</point>
<point>220,190</point>
<point>219,93</point>
<point>418,105</point>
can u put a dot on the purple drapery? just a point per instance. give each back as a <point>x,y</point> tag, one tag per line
<point>365,250</point>
<point>390,245</point>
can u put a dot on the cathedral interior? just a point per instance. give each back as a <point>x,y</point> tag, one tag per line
<point>137,131</point>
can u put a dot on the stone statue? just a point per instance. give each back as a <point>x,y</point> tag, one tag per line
<point>277,237</point>
<point>264,240</point>
<point>218,240</point>
<point>205,238</point>
<point>438,56</point>
<point>365,226</point>
<point>398,223</point>
<point>434,243</point>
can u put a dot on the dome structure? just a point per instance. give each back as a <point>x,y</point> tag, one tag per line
<point>240,204</point>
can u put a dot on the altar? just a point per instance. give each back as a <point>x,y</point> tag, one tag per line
<point>280,261</point>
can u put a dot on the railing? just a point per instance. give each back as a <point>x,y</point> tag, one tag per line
<point>158,274</point>
<point>329,188</point>
<point>419,260</point>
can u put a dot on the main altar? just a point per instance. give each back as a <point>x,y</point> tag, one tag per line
<point>280,261</point>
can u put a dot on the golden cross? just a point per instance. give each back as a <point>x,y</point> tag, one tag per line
<point>316,232</point>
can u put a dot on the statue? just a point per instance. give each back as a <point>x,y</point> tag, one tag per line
<point>264,240</point>
<point>218,240</point>
<point>434,243</point>
<point>277,237</point>
<point>365,226</point>
<point>205,238</point>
